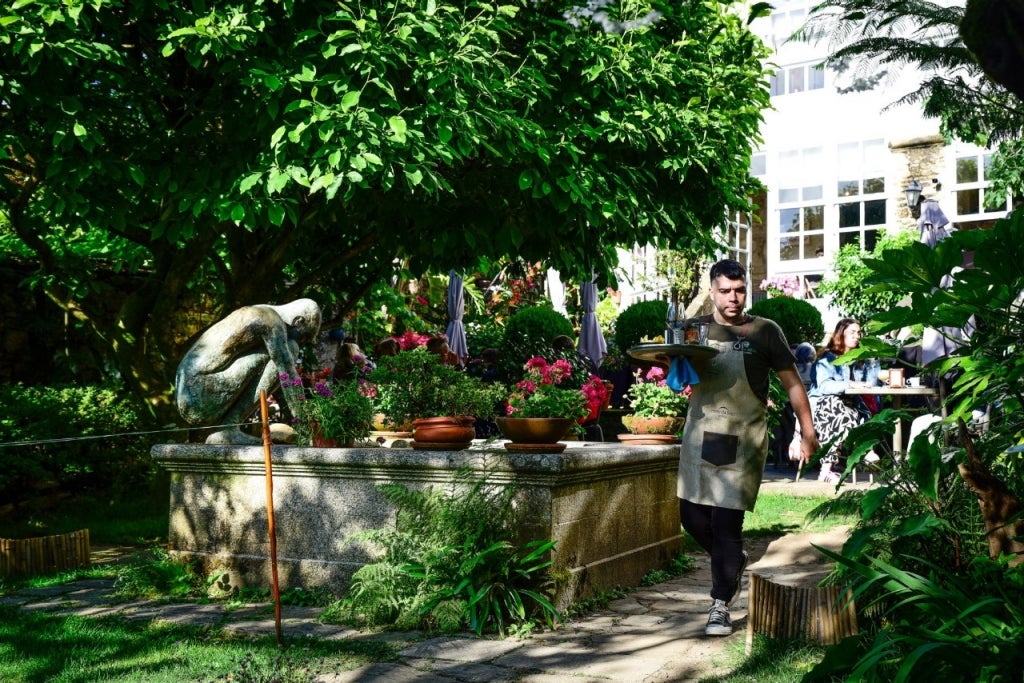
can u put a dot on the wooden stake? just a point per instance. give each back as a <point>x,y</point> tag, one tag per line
<point>275,589</point>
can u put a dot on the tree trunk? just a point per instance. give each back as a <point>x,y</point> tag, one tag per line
<point>999,508</point>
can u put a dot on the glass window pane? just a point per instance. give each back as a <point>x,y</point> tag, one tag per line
<point>874,185</point>
<point>849,215</point>
<point>812,161</point>
<point>848,188</point>
<point>968,201</point>
<point>788,195</point>
<point>814,218</point>
<point>987,160</point>
<point>813,244</point>
<point>870,237</point>
<point>789,249</point>
<point>852,237</point>
<point>876,154</point>
<point>789,220</point>
<point>812,193</point>
<point>815,78</point>
<point>758,164</point>
<point>848,160</point>
<point>998,208</point>
<point>967,170</point>
<point>776,84</point>
<point>874,212</point>
<point>796,79</point>
<point>789,164</point>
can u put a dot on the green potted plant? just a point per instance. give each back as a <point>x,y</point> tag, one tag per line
<point>332,413</point>
<point>541,409</point>
<point>655,408</point>
<point>441,401</point>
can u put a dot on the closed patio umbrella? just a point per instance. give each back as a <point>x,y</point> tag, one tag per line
<point>456,332</point>
<point>592,344</point>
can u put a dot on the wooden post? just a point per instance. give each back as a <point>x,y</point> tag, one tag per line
<point>275,589</point>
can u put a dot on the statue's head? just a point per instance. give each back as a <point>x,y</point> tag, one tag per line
<point>303,319</point>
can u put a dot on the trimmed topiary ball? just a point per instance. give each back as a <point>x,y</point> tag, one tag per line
<point>639,320</point>
<point>530,332</point>
<point>799,320</point>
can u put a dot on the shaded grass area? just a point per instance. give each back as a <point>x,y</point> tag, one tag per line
<point>42,647</point>
<point>770,661</point>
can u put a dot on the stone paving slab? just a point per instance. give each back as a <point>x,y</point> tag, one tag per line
<point>462,649</point>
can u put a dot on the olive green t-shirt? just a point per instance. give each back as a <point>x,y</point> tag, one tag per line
<point>764,348</point>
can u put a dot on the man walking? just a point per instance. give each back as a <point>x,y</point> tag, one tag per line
<point>725,441</point>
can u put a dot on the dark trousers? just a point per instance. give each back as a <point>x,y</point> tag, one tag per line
<point>720,532</point>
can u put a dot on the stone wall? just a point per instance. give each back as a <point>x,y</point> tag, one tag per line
<point>611,510</point>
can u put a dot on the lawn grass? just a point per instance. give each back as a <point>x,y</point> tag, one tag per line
<point>778,514</point>
<point>770,661</point>
<point>43,647</point>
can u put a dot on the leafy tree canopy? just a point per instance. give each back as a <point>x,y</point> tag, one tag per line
<point>155,154</point>
<point>849,288</point>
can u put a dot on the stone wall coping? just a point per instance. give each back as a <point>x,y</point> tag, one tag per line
<point>580,461</point>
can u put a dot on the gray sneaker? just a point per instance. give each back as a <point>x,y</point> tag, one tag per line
<point>719,623</point>
<point>739,578</point>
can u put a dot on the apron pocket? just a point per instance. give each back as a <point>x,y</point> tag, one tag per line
<point>719,449</point>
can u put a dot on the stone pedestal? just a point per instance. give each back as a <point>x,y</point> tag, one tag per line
<point>611,509</point>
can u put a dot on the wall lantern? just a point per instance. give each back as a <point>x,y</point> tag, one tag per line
<point>913,194</point>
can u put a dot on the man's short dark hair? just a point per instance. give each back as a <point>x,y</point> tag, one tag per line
<point>731,270</point>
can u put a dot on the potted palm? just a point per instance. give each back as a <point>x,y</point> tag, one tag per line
<point>440,401</point>
<point>656,410</point>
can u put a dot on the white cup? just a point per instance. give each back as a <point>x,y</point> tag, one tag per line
<point>914,382</point>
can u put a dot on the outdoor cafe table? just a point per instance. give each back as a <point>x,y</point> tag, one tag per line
<point>897,394</point>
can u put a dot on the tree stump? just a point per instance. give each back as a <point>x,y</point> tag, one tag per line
<point>790,604</point>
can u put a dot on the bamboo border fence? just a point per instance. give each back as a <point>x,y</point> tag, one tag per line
<point>44,554</point>
<point>822,614</point>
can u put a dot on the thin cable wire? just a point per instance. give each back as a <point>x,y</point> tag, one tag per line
<point>113,436</point>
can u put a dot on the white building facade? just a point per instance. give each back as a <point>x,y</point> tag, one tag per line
<point>836,162</point>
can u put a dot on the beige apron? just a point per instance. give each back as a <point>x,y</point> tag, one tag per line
<point>725,441</point>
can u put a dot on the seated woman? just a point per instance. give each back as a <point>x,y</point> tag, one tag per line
<point>834,413</point>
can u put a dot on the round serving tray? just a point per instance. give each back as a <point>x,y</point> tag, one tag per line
<point>651,352</point>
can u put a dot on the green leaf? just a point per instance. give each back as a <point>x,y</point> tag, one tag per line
<point>249,181</point>
<point>398,127</point>
<point>237,213</point>
<point>526,179</point>
<point>349,100</point>
<point>276,214</point>
<point>415,177</point>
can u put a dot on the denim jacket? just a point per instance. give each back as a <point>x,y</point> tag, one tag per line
<point>829,379</point>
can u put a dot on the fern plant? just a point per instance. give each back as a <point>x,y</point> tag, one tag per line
<point>451,562</point>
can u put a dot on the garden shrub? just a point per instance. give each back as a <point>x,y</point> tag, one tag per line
<point>529,333</point>
<point>114,464</point>
<point>639,320</point>
<point>799,320</point>
<point>450,562</point>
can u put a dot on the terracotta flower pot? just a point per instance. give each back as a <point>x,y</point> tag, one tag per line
<point>533,430</point>
<point>443,433</point>
<point>653,425</point>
